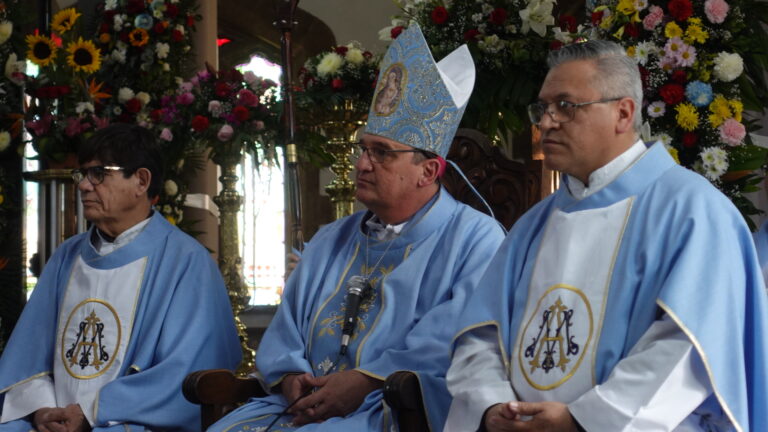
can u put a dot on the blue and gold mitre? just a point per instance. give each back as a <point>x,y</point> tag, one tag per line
<point>419,102</point>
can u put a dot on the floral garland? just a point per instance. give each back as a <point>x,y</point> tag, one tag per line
<point>508,39</point>
<point>701,65</point>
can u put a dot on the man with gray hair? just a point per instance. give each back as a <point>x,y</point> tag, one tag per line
<point>605,309</point>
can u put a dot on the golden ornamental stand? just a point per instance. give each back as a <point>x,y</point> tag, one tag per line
<point>339,125</point>
<point>231,265</point>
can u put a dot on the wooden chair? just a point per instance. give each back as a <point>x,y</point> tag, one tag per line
<point>509,187</point>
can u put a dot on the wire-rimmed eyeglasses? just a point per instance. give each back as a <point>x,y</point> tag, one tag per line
<point>379,155</point>
<point>94,174</point>
<point>561,111</point>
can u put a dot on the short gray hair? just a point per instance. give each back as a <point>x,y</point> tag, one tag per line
<point>617,73</point>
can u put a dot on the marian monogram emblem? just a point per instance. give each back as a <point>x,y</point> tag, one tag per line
<point>556,337</point>
<point>553,345</point>
<point>91,339</point>
<point>88,348</point>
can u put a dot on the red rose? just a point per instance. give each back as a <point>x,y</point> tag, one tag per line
<point>395,32</point>
<point>177,36</point>
<point>567,23</point>
<point>679,76</point>
<point>341,50</point>
<point>135,7</point>
<point>190,20</point>
<point>644,74</point>
<point>124,36</point>
<point>200,123</point>
<point>672,93</point>
<point>160,27</point>
<point>241,113</point>
<point>222,89</point>
<point>104,28</point>
<point>498,16</point>
<point>171,10</point>
<point>632,29</point>
<point>597,17</point>
<point>133,106</point>
<point>690,139</point>
<point>470,35</point>
<point>337,84</point>
<point>63,90</point>
<point>680,10</point>
<point>156,115</point>
<point>367,54</point>
<point>439,15</point>
<point>555,45</point>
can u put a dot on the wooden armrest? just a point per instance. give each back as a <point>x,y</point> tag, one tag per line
<point>402,393</point>
<point>220,386</point>
<point>218,391</point>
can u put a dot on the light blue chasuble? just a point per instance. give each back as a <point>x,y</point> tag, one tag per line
<point>420,281</point>
<point>123,356</point>
<point>657,240</point>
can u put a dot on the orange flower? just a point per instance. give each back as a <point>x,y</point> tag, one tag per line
<point>138,37</point>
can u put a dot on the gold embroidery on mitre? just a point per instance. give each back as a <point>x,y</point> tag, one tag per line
<point>89,353</point>
<point>550,347</point>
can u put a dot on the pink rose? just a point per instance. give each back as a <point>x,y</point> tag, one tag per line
<point>225,133</point>
<point>166,135</point>
<point>214,107</point>
<point>259,125</point>
<point>75,127</point>
<point>186,86</point>
<point>185,99</point>
<point>732,132</point>
<point>653,18</point>
<point>716,10</point>
<point>40,127</point>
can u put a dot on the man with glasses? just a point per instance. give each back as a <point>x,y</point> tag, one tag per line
<point>630,300</point>
<point>121,313</point>
<point>409,263</point>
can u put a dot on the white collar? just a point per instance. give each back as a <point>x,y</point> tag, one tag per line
<point>381,231</point>
<point>104,247</point>
<point>609,172</point>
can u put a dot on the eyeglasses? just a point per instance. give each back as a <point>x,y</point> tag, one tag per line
<point>561,111</point>
<point>379,155</point>
<point>95,174</point>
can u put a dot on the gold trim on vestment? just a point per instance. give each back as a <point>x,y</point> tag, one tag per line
<point>328,299</point>
<point>587,345</point>
<point>384,276</point>
<point>249,420</point>
<point>695,342</point>
<point>26,380</point>
<point>608,286</point>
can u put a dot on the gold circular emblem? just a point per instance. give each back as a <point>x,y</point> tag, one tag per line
<point>390,89</point>
<point>91,339</point>
<point>556,338</point>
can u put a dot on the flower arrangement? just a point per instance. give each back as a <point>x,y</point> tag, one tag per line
<point>146,47</point>
<point>224,111</point>
<point>508,39</point>
<point>64,93</point>
<point>344,73</point>
<point>701,65</point>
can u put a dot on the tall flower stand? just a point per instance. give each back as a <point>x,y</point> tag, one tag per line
<point>228,156</point>
<point>339,124</point>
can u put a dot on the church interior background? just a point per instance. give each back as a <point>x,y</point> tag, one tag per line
<point>38,206</point>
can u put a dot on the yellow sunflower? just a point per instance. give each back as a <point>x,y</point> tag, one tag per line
<point>138,37</point>
<point>42,50</point>
<point>64,20</point>
<point>83,56</point>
